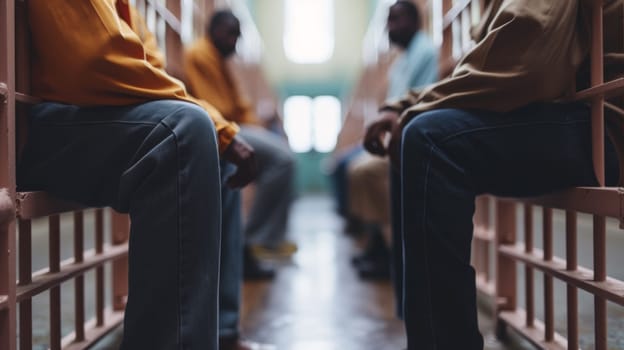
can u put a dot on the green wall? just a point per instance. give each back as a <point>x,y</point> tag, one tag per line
<point>334,77</point>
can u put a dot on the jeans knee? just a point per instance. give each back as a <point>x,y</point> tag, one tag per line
<point>415,137</point>
<point>428,128</point>
<point>193,125</point>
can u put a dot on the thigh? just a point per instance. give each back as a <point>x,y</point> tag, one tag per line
<point>81,153</point>
<point>527,152</point>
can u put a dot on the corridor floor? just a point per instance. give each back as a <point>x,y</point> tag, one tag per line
<point>317,302</point>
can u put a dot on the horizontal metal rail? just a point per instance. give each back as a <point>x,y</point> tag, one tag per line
<point>535,334</point>
<point>28,99</point>
<point>454,13</point>
<point>606,90</point>
<point>93,331</point>
<point>604,201</point>
<point>32,205</point>
<point>583,278</point>
<point>172,21</point>
<point>43,280</point>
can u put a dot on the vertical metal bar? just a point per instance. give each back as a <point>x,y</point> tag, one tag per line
<point>121,229</point>
<point>55,243</point>
<point>482,4</point>
<point>528,271</point>
<point>485,253</point>
<point>7,286</point>
<point>25,324</point>
<point>209,5</point>
<point>25,277</point>
<point>477,244</point>
<point>548,236</point>
<point>506,267</point>
<point>79,283</point>
<point>55,292</point>
<point>78,236</point>
<point>465,24</point>
<point>25,252</point>
<point>476,257</point>
<point>549,303</point>
<point>99,271</point>
<point>485,260</point>
<point>572,293</point>
<point>600,274</point>
<point>597,78</point>
<point>8,327</point>
<point>446,51</point>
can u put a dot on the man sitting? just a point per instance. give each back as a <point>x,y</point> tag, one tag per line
<point>208,78</point>
<point>495,126</point>
<point>117,131</point>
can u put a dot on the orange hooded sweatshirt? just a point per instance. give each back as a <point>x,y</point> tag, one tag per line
<point>91,53</point>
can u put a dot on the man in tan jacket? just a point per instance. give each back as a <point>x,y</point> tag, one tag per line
<point>494,126</point>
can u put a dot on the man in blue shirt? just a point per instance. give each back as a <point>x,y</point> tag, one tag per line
<point>418,65</point>
<point>369,179</point>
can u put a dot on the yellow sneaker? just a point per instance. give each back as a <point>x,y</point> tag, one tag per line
<point>283,250</point>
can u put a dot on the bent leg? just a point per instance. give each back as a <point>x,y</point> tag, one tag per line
<point>159,162</point>
<point>449,157</point>
<point>268,217</point>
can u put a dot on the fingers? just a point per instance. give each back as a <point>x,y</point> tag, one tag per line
<point>375,146</point>
<point>241,178</point>
<point>377,131</point>
<point>241,154</point>
<point>372,139</point>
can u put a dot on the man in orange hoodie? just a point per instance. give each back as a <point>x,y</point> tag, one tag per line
<point>116,130</point>
<point>209,78</point>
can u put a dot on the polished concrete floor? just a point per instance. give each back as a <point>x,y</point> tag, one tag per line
<point>317,302</point>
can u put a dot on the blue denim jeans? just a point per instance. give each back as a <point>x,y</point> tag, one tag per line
<point>396,249</point>
<point>231,273</point>
<point>449,157</point>
<point>157,161</point>
<point>340,180</point>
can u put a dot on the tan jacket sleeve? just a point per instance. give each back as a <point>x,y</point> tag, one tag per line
<point>518,61</point>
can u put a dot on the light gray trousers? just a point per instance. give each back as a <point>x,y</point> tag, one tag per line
<point>268,218</point>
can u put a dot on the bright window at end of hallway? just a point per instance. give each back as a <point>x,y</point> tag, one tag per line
<point>312,123</point>
<point>298,123</point>
<point>327,123</point>
<point>309,30</point>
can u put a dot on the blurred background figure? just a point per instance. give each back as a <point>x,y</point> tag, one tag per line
<point>368,177</point>
<point>209,78</point>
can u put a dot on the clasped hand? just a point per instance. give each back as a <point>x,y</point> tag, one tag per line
<point>376,134</point>
<point>241,154</point>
